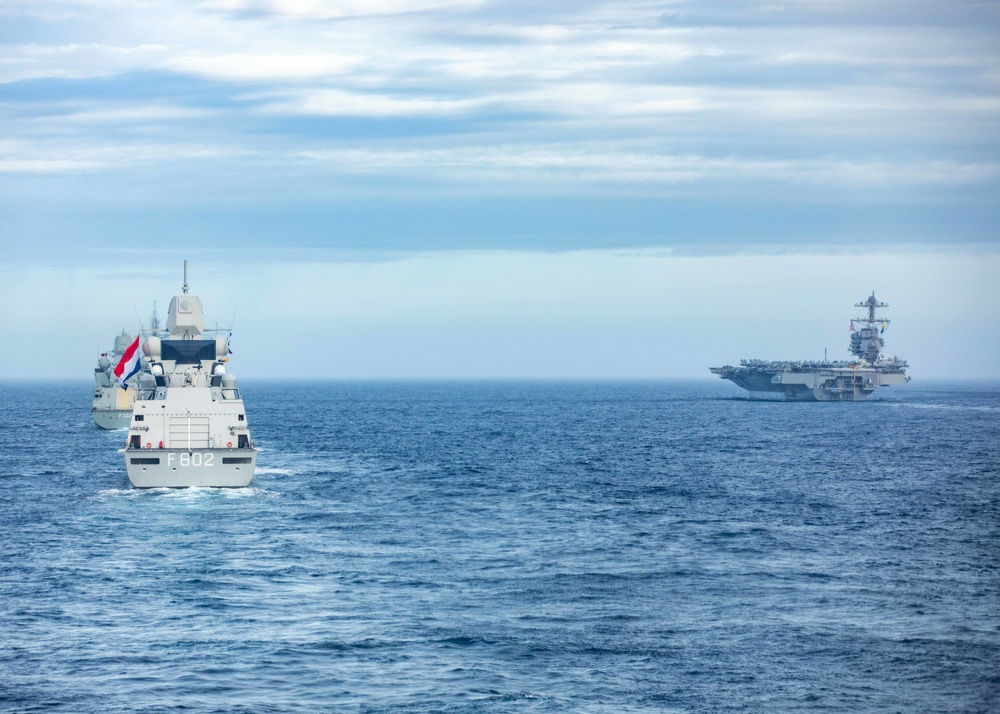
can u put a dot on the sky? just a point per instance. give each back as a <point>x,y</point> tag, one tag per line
<point>477,189</point>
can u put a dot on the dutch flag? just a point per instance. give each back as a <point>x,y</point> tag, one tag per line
<point>129,363</point>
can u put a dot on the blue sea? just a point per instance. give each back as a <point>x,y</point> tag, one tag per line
<point>509,547</point>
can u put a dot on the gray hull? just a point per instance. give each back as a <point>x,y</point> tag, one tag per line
<point>811,384</point>
<point>112,418</point>
<point>181,468</point>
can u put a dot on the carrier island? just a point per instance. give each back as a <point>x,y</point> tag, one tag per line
<point>826,381</point>
<point>189,425</point>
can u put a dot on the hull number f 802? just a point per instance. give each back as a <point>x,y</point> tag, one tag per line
<point>195,458</point>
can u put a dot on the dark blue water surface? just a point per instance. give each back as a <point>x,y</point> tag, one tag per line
<point>584,547</point>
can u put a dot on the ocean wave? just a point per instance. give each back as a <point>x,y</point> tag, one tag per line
<point>944,407</point>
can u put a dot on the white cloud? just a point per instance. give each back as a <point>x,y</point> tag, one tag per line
<point>263,67</point>
<point>43,166</point>
<point>588,163</point>
<point>143,113</point>
<point>610,65</point>
<point>528,99</point>
<point>28,157</point>
<point>518,167</point>
<point>76,60</point>
<point>335,102</point>
<point>325,10</point>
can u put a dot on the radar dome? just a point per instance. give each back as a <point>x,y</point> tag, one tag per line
<point>151,347</point>
<point>122,342</point>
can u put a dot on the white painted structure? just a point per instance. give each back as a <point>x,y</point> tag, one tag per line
<point>188,425</point>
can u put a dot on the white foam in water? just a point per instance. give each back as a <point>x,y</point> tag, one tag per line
<point>274,471</point>
<point>116,492</point>
<point>247,492</point>
<point>192,493</point>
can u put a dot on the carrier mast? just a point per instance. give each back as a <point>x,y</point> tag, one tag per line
<point>866,343</point>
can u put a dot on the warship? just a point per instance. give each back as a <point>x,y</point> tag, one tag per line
<point>112,405</point>
<point>827,381</point>
<point>189,425</point>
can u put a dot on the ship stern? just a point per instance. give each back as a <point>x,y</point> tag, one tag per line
<point>183,468</point>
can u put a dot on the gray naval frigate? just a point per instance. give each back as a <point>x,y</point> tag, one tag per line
<point>826,381</point>
<point>189,426</point>
<point>112,405</point>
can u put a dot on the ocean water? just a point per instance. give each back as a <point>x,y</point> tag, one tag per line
<point>501,547</point>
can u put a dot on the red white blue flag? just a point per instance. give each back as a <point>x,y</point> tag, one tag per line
<point>852,326</point>
<point>129,363</point>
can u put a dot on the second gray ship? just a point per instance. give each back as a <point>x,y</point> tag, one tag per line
<point>111,406</point>
<point>827,381</point>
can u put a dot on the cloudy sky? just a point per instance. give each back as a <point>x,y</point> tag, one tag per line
<point>421,188</point>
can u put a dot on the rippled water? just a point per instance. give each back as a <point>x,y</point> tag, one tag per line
<point>596,547</point>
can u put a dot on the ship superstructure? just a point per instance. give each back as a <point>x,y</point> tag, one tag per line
<point>189,425</point>
<point>112,405</point>
<point>827,381</point>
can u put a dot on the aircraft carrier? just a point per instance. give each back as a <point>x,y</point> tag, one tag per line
<point>826,381</point>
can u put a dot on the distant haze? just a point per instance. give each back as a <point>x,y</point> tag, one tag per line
<point>512,314</point>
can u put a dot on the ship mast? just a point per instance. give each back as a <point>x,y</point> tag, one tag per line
<point>872,304</point>
<point>185,288</point>
<point>154,323</point>
<point>867,344</point>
